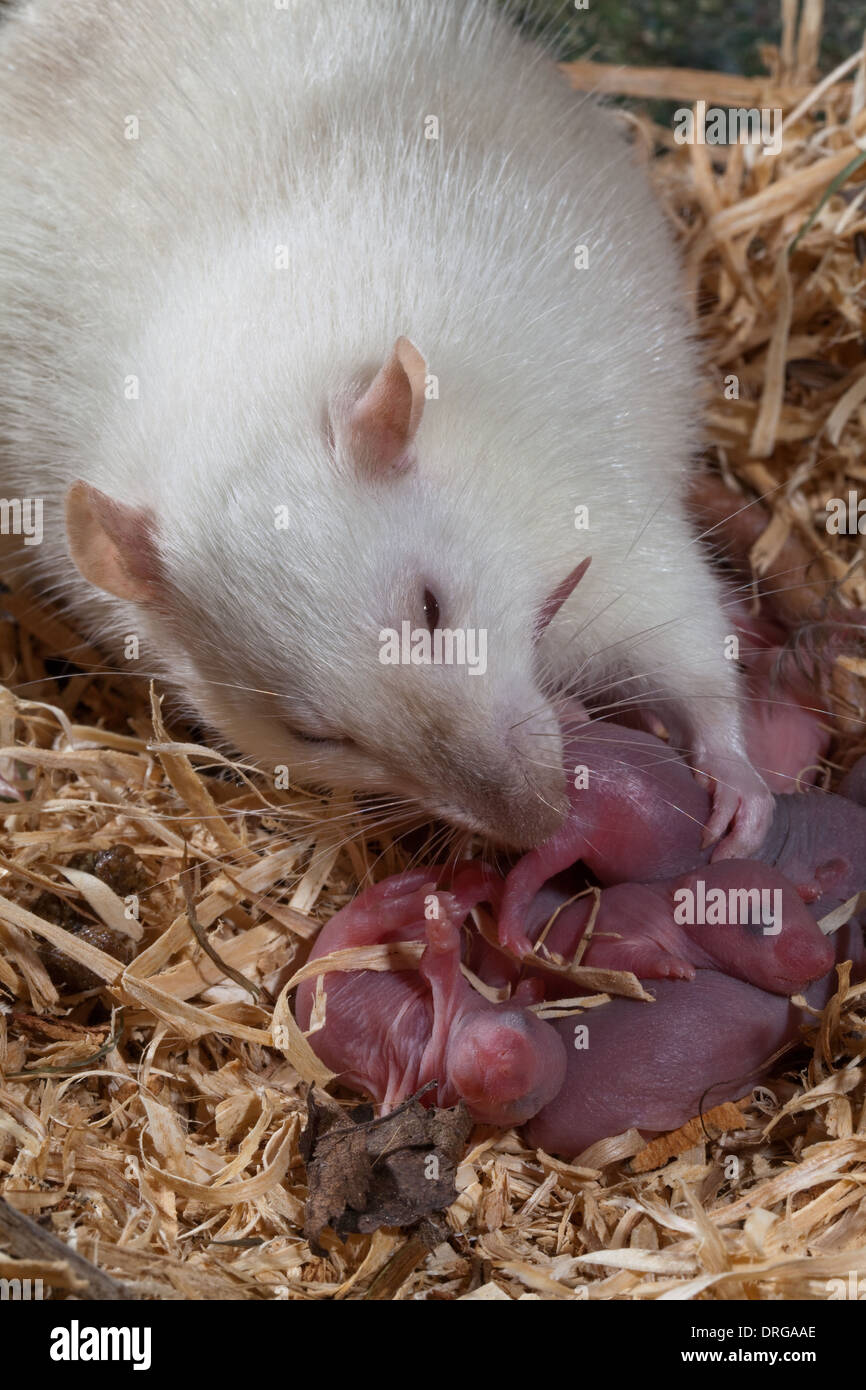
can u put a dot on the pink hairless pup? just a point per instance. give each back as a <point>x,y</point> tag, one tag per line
<point>652,1067</point>
<point>637,814</point>
<point>736,916</point>
<point>389,1033</point>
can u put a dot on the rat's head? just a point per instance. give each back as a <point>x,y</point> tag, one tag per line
<point>505,1063</point>
<point>339,608</point>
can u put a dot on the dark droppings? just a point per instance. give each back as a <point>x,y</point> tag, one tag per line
<point>120,869</point>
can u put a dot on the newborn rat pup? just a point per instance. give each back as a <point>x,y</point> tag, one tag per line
<point>389,1033</point>
<point>325,322</point>
<point>700,1043</point>
<point>638,817</point>
<point>773,942</point>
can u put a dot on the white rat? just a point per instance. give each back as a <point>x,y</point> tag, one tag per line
<point>296,328</point>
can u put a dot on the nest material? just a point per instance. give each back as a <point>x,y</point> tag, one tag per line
<point>166,1140</point>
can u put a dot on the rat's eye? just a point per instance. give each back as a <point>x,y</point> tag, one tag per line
<point>431,611</point>
<point>315,738</point>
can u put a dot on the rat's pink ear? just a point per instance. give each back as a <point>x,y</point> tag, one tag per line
<point>112,544</point>
<point>383,422</point>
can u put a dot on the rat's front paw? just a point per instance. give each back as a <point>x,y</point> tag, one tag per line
<point>742,810</point>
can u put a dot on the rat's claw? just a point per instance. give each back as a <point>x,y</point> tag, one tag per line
<point>742,806</point>
<point>513,938</point>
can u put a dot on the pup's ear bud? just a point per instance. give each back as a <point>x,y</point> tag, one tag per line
<point>113,544</point>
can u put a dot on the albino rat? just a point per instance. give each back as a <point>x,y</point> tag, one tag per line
<point>320,318</point>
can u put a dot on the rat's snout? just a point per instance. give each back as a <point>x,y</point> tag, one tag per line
<point>488,758</point>
<point>506,1064</point>
<point>511,784</point>
<point>540,801</point>
<point>515,810</point>
<point>524,827</point>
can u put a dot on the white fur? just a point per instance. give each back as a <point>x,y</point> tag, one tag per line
<point>304,127</point>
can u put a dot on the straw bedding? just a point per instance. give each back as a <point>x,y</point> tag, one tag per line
<point>152,1091</point>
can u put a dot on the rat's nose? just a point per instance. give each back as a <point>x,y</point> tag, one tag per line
<point>514,818</point>
<point>512,806</point>
<point>529,820</point>
<point>502,772</point>
<point>527,802</point>
<point>539,804</point>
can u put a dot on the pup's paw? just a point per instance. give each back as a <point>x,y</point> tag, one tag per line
<point>645,957</point>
